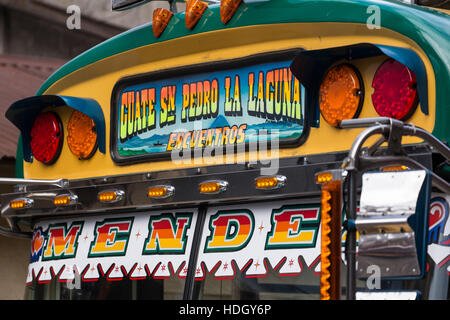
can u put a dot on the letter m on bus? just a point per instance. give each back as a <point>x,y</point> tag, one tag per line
<point>62,241</point>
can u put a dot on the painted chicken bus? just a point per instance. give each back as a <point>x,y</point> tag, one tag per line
<point>243,150</point>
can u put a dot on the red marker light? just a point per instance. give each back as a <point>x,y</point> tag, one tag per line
<point>46,137</point>
<point>395,95</point>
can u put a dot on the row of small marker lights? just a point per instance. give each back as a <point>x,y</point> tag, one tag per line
<point>166,191</point>
<point>194,11</point>
<point>154,192</point>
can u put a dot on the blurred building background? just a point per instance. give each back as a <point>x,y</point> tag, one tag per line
<point>34,42</point>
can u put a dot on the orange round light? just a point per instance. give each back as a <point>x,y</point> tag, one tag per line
<point>341,94</point>
<point>82,136</point>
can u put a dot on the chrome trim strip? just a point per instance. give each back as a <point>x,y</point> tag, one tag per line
<point>299,170</point>
<point>62,183</point>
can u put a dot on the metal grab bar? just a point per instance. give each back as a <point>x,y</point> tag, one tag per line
<point>62,183</point>
<point>387,125</point>
<point>392,131</point>
<point>14,232</point>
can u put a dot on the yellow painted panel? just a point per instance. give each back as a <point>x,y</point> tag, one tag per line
<point>97,80</point>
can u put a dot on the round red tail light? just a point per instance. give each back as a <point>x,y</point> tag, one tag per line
<point>395,95</point>
<point>46,137</point>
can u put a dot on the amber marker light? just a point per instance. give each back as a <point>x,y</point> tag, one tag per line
<point>65,200</point>
<point>341,94</point>
<point>194,11</point>
<point>270,183</point>
<point>323,177</point>
<point>330,255</point>
<point>213,187</point>
<point>111,196</point>
<point>82,135</point>
<point>331,228</point>
<point>160,192</point>
<point>21,203</point>
<point>394,168</point>
<point>161,18</point>
<point>228,9</point>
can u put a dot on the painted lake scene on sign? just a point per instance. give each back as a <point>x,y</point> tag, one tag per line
<point>234,106</point>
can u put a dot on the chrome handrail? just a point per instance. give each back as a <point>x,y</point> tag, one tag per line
<point>386,126</point>
<point>62,183</point>
<point>392,131</point>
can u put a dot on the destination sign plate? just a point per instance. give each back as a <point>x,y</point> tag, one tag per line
<point>231,106</point>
